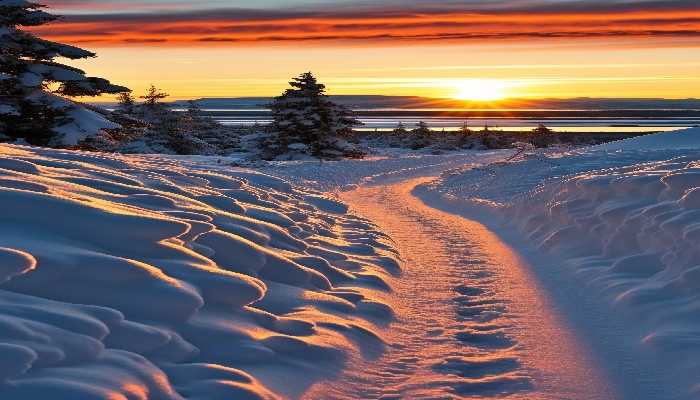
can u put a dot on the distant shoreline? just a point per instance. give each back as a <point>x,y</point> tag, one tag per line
<point>501,114</point>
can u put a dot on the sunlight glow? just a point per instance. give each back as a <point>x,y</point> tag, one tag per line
<point>481,90</point>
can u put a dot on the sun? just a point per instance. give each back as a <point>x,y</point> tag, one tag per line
<point>481,90</point>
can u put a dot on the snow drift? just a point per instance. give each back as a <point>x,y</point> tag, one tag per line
<point>133,277</point>
<point>683,139</point>
<point>626,225</point>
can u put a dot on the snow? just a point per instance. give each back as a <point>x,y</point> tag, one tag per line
<point>170,277</point>
<point>390,166</point>
<point>632,233</point>
<point>616,223</point>
<point>31,80</point>
<point>146,277</point>
<point>470,321</point>
<point>82,122</point>
<point>8,109</point>
<point>683,139</point>
<point>55,73</point>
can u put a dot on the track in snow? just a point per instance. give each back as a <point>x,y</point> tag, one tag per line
<point>471,320</point>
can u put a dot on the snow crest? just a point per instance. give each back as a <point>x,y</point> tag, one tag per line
<point>133,277</point>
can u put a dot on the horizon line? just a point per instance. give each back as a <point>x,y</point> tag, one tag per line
<point>603,98</point>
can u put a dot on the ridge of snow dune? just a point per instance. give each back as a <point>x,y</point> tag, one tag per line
<point>139,277</point>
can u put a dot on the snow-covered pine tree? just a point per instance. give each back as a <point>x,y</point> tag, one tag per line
<point>34,87</point>
<point>307,122</point>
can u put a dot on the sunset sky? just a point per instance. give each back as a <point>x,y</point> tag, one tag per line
<point>478,49</point>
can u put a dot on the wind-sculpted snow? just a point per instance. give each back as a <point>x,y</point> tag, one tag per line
<point>626,229</point>
<point>125,277</point>
<point>632,233</point>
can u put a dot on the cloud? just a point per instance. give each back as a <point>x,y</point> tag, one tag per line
<point>386,21</point>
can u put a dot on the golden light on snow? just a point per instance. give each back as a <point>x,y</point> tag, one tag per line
<point>508,332</point>
<point>482,89</point>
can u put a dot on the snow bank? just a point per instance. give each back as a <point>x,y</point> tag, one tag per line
<point>493,182</point>
<point>682,139</point>
<point>135,277</point>
<point>625,225</point>
<point>632,233</point>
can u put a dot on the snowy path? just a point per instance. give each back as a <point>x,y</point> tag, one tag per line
<point>471,320</point>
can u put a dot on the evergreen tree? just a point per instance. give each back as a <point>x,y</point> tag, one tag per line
<point>421,136</point>
<point>193,109</point>
<point>542,129</point>
<point>422,128</point>
<point>465,136</point>
<point>192,119</point>
<point>307,122</point>
<point>400,130</point>
<point>465,130</point>
<point>399,135</point>
<point>29,109</point>
<point>542,137</point>
<point>153,97</point>
<point>177,136</point>
<point>126,102</point>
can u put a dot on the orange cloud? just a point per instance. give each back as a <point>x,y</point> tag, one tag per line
<point>217,27</point>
